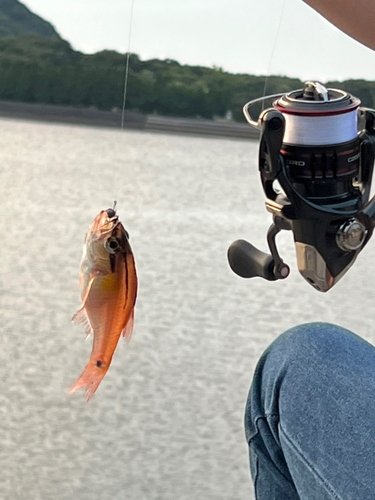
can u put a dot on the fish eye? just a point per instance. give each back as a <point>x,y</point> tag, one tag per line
<point>112,245</point>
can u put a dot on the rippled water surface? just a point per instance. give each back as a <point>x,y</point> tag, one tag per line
<point>166,422</point>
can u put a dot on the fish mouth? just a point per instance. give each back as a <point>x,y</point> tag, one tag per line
<point>112,217</point>
<point>112,220</point>
<point>104,224</point>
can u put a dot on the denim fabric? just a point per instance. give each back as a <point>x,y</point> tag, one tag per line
<point>310,417</point>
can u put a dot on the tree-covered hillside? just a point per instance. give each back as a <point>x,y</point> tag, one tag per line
<point>48,70</point>
<point>36,65</point>
<point>16,19</point>
<point>37,69</point>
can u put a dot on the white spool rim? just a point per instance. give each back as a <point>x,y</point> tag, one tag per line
<point>317,112</point>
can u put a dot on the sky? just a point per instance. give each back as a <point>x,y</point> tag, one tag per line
<point>263,37</point>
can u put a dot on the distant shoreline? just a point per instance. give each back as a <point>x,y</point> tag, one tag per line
<point>133,121</point>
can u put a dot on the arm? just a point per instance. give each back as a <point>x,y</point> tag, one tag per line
<point>356,18</point>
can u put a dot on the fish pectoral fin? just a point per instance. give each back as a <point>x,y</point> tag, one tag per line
<point>128,328</point>
<point>87,291</point>
<point>80,318</point>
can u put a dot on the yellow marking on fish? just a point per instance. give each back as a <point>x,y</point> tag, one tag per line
<point>105,283</point>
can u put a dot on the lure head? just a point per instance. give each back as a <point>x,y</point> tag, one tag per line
<point>310,147</point>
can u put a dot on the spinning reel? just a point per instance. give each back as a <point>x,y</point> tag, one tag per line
<point>316,171</point>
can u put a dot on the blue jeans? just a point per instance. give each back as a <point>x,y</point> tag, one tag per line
<point>310,417</point>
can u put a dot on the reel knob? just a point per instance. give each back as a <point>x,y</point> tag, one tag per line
<point>351,235</point>
<point>248,262</point>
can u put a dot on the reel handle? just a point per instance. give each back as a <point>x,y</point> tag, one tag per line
<point>249,262</point>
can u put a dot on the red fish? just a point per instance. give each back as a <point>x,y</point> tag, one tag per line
<point>108,283</point>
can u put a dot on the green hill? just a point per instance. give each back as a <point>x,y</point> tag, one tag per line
<point>16,19</point>
<point>38,66</point>
<point>35,50</point>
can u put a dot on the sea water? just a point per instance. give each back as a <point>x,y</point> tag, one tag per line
<point>167,421</point>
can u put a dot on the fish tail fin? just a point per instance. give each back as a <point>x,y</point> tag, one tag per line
<point>90,378</point>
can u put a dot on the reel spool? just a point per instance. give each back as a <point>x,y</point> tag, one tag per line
<point>311,149</point>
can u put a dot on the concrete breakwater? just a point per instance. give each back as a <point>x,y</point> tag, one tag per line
<point>95,117</point>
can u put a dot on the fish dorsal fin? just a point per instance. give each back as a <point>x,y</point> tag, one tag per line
<point>81,319</point>
<point>128,328</point>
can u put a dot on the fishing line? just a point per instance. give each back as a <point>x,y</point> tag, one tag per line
<point>273,51</point>
<point>126,78</point>
<point>311,130</point>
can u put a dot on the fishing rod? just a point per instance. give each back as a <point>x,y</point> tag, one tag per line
<point>316,171</point>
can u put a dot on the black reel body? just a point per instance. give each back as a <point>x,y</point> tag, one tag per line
<point>316,172</point>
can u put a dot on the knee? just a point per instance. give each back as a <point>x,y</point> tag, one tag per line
<point>295,362</point>
<point>304,343</point>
